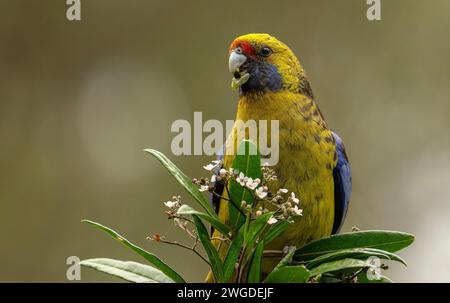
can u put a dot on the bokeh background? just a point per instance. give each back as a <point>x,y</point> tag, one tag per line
<point>80,100</point>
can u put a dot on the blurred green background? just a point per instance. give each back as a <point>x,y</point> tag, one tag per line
<point>80,100</point>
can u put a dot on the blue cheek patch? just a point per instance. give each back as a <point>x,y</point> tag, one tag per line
<point>273,79</point>
<point>263,77</point>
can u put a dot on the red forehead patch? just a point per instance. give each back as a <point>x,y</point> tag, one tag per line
<point>247,48</point>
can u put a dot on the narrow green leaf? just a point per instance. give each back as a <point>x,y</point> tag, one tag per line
<point>154,260</point>
<point>232,255</point>
<point>283,263</point>
<point>213,256</point>
<point>390,241</point>
<point>128,270</point>
<point>276,230</point>
<point>187,210</point>
<point>256,227</point>
<point>247,161</point>
<point>286,259</point>
<point>254,274</point>
<point>289,274</point>
<point>388,254</point>
<point>355,253</point>
<point>184,180</point>
<point>339,265</point>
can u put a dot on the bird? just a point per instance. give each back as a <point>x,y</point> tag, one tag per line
<point>313,163</point>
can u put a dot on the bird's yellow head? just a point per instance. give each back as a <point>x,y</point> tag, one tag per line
<point>261,63</point>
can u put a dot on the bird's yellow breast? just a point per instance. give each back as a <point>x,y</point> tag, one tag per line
<point>306,160</point>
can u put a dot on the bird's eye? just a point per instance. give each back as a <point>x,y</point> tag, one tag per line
<point>238,50</point>
<point>265,51</point>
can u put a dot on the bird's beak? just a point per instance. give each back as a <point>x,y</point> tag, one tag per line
<point>236,60</point>
<point>234,64</point>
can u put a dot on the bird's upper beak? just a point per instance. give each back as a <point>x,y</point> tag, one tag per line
<point>235,61</point>
<point>240,77</point>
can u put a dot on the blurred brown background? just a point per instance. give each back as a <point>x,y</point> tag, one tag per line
<point>80,100</point>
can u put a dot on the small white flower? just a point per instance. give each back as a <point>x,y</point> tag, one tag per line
<point>251,184</point>
<point>209,167</point>
<point>241,179</point>
<point>212,165</point>
<point>257,180</point>
<point>283,190</point>
<point>294,199</point>
<point>170,204</point>
<point>222,172</point>
<point>297,211</point>
<point>204,188</point>
<point>272,220</point>
<point>261,192</point>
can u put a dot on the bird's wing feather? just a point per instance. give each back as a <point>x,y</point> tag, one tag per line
<point>342,185</point>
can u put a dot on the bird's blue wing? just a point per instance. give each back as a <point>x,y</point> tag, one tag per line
<point>342,185</point>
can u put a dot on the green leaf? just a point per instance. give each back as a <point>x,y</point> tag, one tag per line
<point>187,210</point>
<point>390,241</point>
<point>247,161</point>
<point>339,265</point>
<point>128,270</point>
<point>284,262</point>
<point>276,230</point>
<point>362,278</point>
<point>185,181</point>
<point>286,259</point>
<point>355,253</point>
<point>256,227</point>
<point>254,274</point>
<point>232,255</point>
<point>289,274</point>
<point>154,260</point>
<point>213,256</point>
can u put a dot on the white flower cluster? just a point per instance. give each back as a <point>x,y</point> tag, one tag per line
<point>268,173</point>
<point>174,204</point>
<point>213,166</point>
<point>286,208</point>
<point>218,173</point>
<point>179,221</point>
<point>285,204</point>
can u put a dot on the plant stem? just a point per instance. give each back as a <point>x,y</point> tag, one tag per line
<point>186,247</point>
<point>349,279</point>
<point>220,239</point>
<point>219,196</point>
<point>273,253</point>
<point>241,266</point>
<point>238,207</point>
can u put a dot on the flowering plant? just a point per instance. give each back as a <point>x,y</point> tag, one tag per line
<point>258,213</point>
